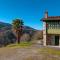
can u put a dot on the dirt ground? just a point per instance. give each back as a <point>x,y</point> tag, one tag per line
<point>29,53</point>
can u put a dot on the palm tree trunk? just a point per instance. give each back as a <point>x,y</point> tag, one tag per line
<point>18,37</point>
<point>19,34</point>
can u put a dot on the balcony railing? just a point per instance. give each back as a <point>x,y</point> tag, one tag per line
<point>53,31</point>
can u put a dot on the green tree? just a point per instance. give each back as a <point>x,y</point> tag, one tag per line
<point>18,27</point>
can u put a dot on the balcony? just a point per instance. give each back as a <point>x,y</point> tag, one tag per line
<point>53,31</point>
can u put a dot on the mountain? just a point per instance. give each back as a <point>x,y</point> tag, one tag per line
<point>2,24</point>
<point>7,25</point>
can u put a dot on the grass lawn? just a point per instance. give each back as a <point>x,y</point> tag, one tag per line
<point>19,52</point>
<point>46,53</point>
<point>22,45</point>
<point>51,51</point>
<point>44,50</point>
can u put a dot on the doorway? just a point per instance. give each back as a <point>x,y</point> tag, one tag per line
<point>56,40</point>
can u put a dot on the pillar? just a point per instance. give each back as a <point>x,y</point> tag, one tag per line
<point>44,33</point>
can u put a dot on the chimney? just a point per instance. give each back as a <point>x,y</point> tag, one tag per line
<point>46,14</point>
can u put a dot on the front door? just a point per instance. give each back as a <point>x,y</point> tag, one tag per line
<point>56,40</point>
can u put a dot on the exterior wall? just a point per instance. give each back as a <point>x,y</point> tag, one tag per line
<point>48,40</point>
<point>44,33</point>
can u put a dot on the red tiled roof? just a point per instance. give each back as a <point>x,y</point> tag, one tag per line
<point>51,18</point>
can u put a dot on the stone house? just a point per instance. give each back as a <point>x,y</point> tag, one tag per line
<point>51,30</point>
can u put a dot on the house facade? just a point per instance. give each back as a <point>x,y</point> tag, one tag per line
<point>51,30</point>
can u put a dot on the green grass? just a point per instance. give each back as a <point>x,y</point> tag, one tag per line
<point>51,51</point>
<point>22,45</point>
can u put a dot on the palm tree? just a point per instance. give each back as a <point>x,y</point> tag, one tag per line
<point>17,26</point>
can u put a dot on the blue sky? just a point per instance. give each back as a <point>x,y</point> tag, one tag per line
<point>31,11</point>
